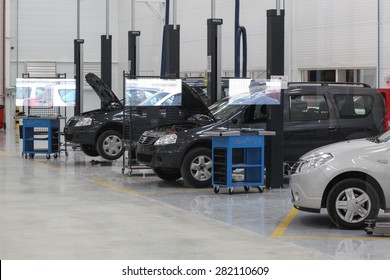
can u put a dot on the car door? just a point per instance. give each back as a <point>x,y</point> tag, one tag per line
<point>309,122</point>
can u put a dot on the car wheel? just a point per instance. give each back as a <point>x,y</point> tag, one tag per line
<point>109,145</point>
<point>196,168</point>
<point>351,202</point>
<point>167,174</point>
<point>89,150</point>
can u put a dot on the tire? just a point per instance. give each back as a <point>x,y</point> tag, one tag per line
<point>89,150</point>
<point>167,174</point>
<point>196,168</point>
<point>109,145</point>
<point>351,202</point>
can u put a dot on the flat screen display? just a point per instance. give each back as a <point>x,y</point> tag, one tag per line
<point>250,91</point>
<point>153,92</point>
<point>45,92</point>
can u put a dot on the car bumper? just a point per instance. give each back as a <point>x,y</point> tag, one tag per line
<point>307,190</point>
<point>167,156</point>
<point>82,135</point>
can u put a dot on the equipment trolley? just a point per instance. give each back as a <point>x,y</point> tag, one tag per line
<point>41,130</point>
<point>238,158</point>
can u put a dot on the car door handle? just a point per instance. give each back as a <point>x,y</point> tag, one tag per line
<point>332,128</point>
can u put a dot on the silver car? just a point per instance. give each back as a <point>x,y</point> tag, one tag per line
<point>351,179</point>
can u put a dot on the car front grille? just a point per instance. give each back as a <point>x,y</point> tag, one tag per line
<point>295,167</point>
<point>72,123</point>
<point>147,140</point>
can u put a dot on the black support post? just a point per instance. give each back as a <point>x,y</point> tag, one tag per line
<point>214,59</point>
<point>275,115</point>
<point>78,74</point>
<point>172,50</point>
<point>106,59</point>
<point>133,53</point>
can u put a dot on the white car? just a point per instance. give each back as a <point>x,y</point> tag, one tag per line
<point>351,179</point>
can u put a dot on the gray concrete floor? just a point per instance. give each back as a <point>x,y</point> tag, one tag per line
<point>69,208</point>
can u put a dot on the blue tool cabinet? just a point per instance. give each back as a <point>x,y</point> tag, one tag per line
<point>43,130</point>
<point>238,159</point>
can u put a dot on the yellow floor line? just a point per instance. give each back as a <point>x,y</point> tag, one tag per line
<point>284,224</point>
<point>114,186</point>
<point>48,165</point>
<point>379,238</point>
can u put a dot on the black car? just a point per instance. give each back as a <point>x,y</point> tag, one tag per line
<point>102,131</point>
<point>314,115</point>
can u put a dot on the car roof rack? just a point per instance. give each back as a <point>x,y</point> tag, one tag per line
<point>299,84</point>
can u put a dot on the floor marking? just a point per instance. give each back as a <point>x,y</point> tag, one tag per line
<point>114,186</point>
<point>334,238</point>
<point>278,233</point>
<point>46,164</point>
<point>284,224</point>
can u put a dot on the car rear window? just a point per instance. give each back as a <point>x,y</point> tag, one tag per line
<point>352,106</point>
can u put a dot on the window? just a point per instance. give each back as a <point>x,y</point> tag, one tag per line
<point>353,106</point>
<point>308,108</point>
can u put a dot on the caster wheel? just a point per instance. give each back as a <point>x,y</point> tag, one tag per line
<point>31,155</point>
<point>48,156</point>
<point>66,154</point>
<point>246,188</point>
<point>123,171</point>
<point>261,189</point>
<point>231,190</point>
<point>216,189</point>
<point>55,155</point>
<point>25,156</point>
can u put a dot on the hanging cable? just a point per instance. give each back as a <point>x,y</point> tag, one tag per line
<point>239,32</point>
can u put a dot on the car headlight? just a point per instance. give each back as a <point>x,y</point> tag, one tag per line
<point>313,162</point>
<point>166,139</point>
<point>84,122</point>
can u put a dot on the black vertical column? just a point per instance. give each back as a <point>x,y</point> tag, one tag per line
<point>214,59</point>
<point>172,50</point>
<point>275,116</point>
<point>133,53</point>
<point>106,59</point>
<point>78,75</point>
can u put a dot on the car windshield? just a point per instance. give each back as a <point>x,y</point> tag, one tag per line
<point>222,109</point>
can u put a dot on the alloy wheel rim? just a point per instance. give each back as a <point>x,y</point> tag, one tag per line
<point>201,168</point>
<point>353,205</point>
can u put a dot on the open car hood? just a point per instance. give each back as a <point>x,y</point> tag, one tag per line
<point>106,95</point>
<point>192,103</point>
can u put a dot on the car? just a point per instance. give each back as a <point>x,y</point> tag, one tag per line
<point>350,179</point>
<point>315,114</point>
<point>101,132</point>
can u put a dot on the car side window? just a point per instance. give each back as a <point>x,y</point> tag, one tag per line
<point>308,108</point>
<point>352,106</point>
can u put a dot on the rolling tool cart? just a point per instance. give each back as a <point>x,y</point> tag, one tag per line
<point>236,151</point>
<point>43,130</point>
